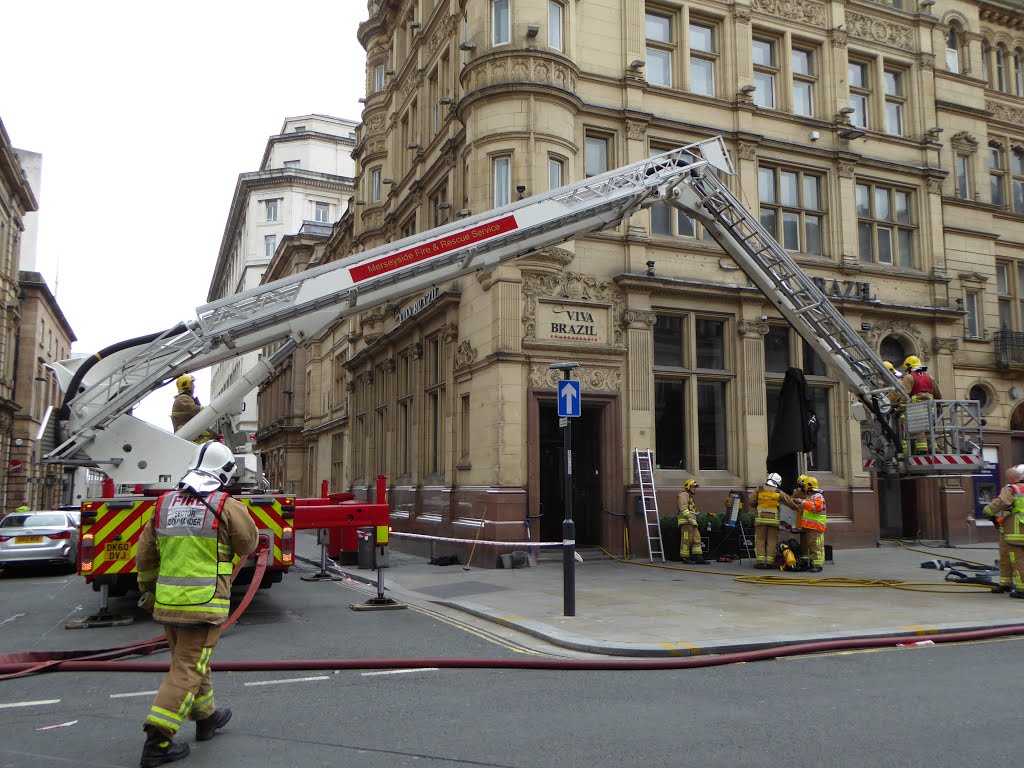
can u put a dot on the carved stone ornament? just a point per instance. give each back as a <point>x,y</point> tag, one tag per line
<point>898,329</point>
<point>390,365</point>
<point>465,354</point>
<point>442,33</point>
<point>942,345</point>
<point>636,130</point>
<point>521,67</point>
<point>879,30</point>
<point>350,386</point>
<point>741,15</point>
<point>375,124</point>
<point>416,349</point>
<point>558,258</point>
<point>964,143</point>
<point>410,84</point>
<point>752,328</point>
<point>748,151</point>
<point>590,378</point>
<point>797,10</point>
<point>638,317</point>
<point>449,332</point>
<point>838,38</point>
<point>574,287</point>
<point>934,185</point>
<point>847,170</point>
<point>1005,113</point>
<point>926,60</point>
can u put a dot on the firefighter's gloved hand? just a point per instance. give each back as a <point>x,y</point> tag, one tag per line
<point>147,602</point>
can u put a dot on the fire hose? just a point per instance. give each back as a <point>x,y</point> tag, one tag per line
<point>14,665</point>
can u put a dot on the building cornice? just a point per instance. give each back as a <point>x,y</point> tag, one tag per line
<point>13,175</point>
<point>35,281</point>
<point>288,138</point>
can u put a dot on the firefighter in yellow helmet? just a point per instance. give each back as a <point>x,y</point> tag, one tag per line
<point>811,520</point>
<point>766,500</point>
<point>919,386</point>
<point>186,406</point>
<point>1006,511</point>
<point>184,559</point>
<point>690,548</point>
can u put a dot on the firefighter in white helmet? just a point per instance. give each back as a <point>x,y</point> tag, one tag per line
<point>186,406</point>
<point>766,500</point>
<point>184,559</point>
<point>690,548</point>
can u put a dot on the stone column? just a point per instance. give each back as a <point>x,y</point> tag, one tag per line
<point>751,385</point>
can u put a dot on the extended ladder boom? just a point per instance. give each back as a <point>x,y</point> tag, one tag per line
<point>101,391</point>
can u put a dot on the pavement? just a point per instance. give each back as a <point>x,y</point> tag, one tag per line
<point>636,608</point>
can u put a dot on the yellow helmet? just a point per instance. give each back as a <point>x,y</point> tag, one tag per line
<point>185,383</point>
<point>889,367</point>
<point>810,483</point>
<point>689,485</point>
<point>913,361</point>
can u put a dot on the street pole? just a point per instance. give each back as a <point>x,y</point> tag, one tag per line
<point>568,525</point>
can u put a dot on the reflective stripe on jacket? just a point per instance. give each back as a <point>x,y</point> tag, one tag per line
<point>187,534</point>
<point>1013,520</point>
<point>687,509</point>
<point>767,506</point>
<point>813,513</point>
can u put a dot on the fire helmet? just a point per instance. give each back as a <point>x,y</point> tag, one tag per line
<point>212,467</point>
<point>185,383</point>
<point>912,362</point>
<point>689,485</point>
<point>774,480</point>
<point>810,483</point>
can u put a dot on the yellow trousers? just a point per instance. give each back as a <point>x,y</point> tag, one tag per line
<point>186,692</point>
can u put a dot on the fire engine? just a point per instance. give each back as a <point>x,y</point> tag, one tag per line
<point>95,427</point>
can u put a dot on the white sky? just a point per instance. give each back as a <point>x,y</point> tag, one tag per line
<point>145,115</point>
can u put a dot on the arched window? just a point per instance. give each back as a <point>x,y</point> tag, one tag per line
<point>953,49</point>
<point>1018,72</point>
<point>893,350</point>
<point>986,62</point>
<point>1001,64</point>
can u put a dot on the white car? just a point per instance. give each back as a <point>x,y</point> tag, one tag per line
<point>39,537</point>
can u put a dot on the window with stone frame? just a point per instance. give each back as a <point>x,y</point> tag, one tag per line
<point>886,227</point>
<point>693,383</point>
<point>703,55</point>
<point>337,461</point>
<point>1018,72</point>
<point>381,425</point>
<point>361,396</point>
<point>556,25</point>
<point>596,152</point>
<point>339,377</point>
<point>973,327</point>
<point>859,79</point>
<point>784,349</point>
<point>1010,291</point>
<point>953,42</point>
<point>766,71</point>
<point>376,187</point>
<point>405,404</point>
<point>435,379</point>
<point>962,175</point>
<point>501,22</point>
<point>440,208</point>
<point>661,50</point>
<point>792,207</point>
<point>1017,178</point>
<point>997,174</point>
<point>803,60</point>
<point>556,171</point>
<point>895,100</point>
<point>501,180</point>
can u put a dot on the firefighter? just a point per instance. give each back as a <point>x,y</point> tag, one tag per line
<point>811,520</point>
<point>184,560</point>
<point>690,548</point>
<point>186,405</point>
<point>920,386</point>
<point>1007,513</point>
<point>766,500</point>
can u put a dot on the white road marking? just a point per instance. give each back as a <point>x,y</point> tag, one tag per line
<point>12,618</point>
<point>290,680</point>
<point>400,671</point>
<point>58,725</point>
<point>40,703</point>
<point>130,695</point>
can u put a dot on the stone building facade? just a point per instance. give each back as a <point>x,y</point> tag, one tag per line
<point>880,142</point>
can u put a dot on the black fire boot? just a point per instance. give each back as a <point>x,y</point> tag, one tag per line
<point>160,749</point>
<point>699,560</point>
<point>208,726</point>
<point>1016,593</point>
<point>1000,589</point>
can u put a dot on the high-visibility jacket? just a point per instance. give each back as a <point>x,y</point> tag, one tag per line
<point>185,552</point>
<point>1009,505</point>
<point>687,509</point>
<point>768,501</point>
<point>812,512</point>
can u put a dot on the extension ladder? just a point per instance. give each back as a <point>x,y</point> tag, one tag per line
<point>652,522</point>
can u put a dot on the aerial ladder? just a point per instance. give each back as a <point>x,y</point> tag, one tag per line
<point>95,426</point>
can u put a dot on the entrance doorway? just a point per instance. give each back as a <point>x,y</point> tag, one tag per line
<point>587,499</point>
<point>897,508</point>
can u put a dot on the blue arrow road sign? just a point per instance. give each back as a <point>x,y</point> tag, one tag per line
<point>568,398</point>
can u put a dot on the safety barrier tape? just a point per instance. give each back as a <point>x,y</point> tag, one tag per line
<point>525,544</point>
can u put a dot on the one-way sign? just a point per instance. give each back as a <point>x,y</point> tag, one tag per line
<point>568,398</point>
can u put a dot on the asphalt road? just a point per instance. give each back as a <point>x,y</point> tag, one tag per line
<point>943,705</point>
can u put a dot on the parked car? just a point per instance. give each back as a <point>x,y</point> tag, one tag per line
<point>39,537</point>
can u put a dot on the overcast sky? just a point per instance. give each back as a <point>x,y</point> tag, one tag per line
<point>145,115</point>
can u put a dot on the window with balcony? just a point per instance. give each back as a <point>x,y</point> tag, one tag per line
<point>660,48</point>
<point>792,208</point>
<point>885,225</point>
<point>895,99</point>
<point>691,377</point>
<point>766,72</point>
<point>858,73</point>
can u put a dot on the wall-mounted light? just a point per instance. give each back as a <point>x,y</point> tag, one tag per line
<point>521,190</point>
<point>389,72</point>
<point>414,25</point>
<point>446,100</point>
<point>360,202</point>
<point>746,90</point>
<point>444,206</point>
<point>650,269</point>
<point>850,133</point>
<point>412,145</point>
<point>465,45</point>
<point>388,181</point>
<point>532,30</point>
<point>463,212</point>
<point>637,64</point>
<point>362,101</point>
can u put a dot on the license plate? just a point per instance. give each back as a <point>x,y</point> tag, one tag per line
<point>118,550</point>
<point>28,539</point>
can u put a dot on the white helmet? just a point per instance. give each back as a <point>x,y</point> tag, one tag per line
<point>774,480</point>
<point>213,466</point>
